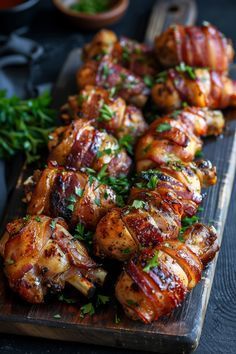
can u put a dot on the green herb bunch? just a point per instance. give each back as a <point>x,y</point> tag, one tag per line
<point>25,125</point>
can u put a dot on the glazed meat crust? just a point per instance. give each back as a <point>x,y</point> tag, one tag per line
<point>202,46</point>
<point>105,112</point>
<point>176,137</point>
<point>136,57</point>
<point>196,87</point>
<point>68,194</point>
<point>40,256</point>
<point>80,146</point>
<point>156,281</point>
<point>110,75</point>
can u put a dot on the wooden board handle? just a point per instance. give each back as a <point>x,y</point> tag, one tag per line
<point>169,12</point>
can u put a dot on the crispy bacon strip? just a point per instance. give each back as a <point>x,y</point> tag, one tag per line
<point>202,46</point>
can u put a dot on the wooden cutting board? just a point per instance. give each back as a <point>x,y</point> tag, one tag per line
<point>179,332</point>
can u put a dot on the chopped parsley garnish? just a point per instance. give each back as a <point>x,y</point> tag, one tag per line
<point>104,152</point>
<point>91,6</point>
<point>38,219</point>
<point>199,154</point>
<point>148,80</point>
<point>53,224</point>
<point>186,223</point>
<point>163,127</point>
<point>138,204</point>
<point>106,113</point>
<point>87,309</point>
<point>161,77</point>
<point>79,191</point>
<point>182,67</point>
<point>131,302</point>
<point>112,92</point>
<point>26,218</point>
<point>152,263</point>
<point>126,251</point>
<point>127,142</point>
<point>175,113</point>
<point>152,183</point>
<point>102,299</point>
<point>105,70</point>
<point>83,235</point>
<point>97,201</point>
<point>71,198</point>
<point>71,207</point>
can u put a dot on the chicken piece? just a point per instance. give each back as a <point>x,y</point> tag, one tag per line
<point>80,146</point>
<point>176,137</point>
<point>68,194</point>
<point>101,44</point>
<point>155,281</point>
<point>185,181</point>
<point>137,57</point>
<point>105,112</point>
<point>149,219</point>
<point>202,46</point>
<point>196,87</point>
<point>40,257</point>
<point>158,201</point>
<point>109,75</point>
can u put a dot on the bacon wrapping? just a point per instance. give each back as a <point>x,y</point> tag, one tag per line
<point>80,146</point>
<point>157,203</point>
<point>72,195</point>
<point>156,281</point>
<point>40,257</point>
<point>176,137</point>
<point>202,46</point>
<point>105,112</point>
<point>112,76</point>
<point>196,87</point>
<point>136,57</point>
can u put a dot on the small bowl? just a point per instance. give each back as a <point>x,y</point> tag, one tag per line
<point>94,21</point>
<point>18,16</point>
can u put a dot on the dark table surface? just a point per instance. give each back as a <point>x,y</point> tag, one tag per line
<point>58,38</point>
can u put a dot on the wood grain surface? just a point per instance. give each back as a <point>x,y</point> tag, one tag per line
<point>182,328</point>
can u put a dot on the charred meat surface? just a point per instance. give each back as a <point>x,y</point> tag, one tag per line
<point>156,281</point>
<point>40,257</point>
<point>105,111</point>
<point>80,146</point>
<point>196,87</point>
<point>202,46</point>
<point>72,195</point>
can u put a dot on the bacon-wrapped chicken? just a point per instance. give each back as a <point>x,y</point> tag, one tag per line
<point>156,281</point>
<point>105,111</point>
<point>158,201</point>
<point>202,46</point>
<point>72,195</point>
<point>112,76</point>
<point>196,87</point>
<point>137,57</point>
<point>176,137</point>
<point>40,257</point>
<point>80,146</point>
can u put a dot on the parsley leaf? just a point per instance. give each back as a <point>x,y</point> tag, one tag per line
<point>106,113</point>
<point>87,309</point>
<point>138,204</point>
<point>182,67</point>
<point>79,191</point>
<point>152,263</point>
<point>163,127</point>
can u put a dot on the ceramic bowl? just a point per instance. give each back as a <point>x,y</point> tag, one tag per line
<point>93,21</point>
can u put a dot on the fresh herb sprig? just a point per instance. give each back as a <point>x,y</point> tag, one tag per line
<point>25,125</point>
